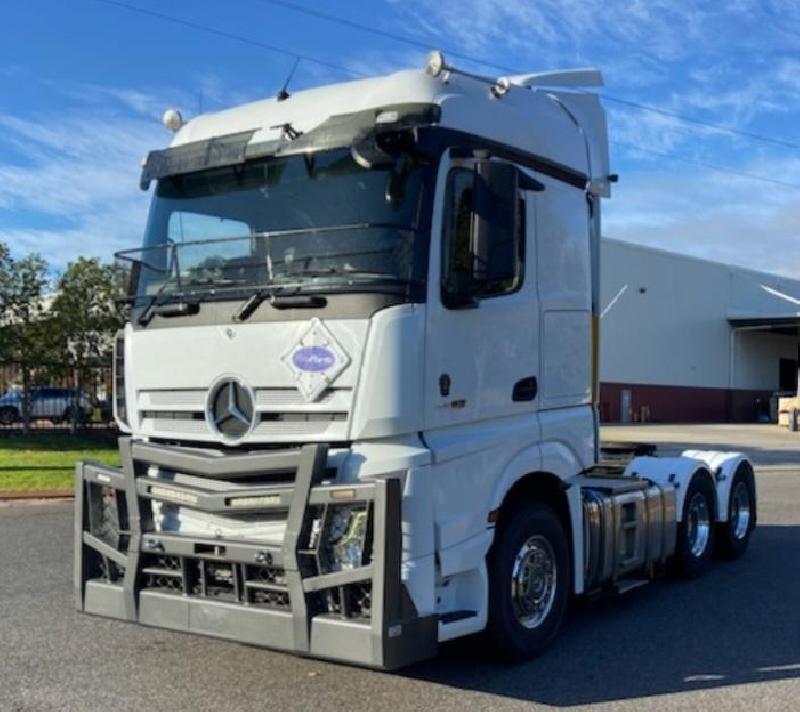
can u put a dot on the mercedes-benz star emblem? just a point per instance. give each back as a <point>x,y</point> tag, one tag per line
<point>230,409</point>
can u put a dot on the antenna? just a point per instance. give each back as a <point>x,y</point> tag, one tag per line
<point>283,94</point>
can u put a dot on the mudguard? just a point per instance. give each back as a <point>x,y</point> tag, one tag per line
<point>665,471</point>
<point>723,466</point>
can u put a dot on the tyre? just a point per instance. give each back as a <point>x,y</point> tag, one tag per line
<point>695,542</point>
<point>733,536</point>
<point>529,582</point>
<point>8,416</point>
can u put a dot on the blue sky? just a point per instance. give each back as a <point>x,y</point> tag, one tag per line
<point>83,85</point>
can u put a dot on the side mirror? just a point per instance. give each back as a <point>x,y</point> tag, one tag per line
<point>367,153</point>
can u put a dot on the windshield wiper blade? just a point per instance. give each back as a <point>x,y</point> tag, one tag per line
<point>147,312</point>
<point>250,305</point>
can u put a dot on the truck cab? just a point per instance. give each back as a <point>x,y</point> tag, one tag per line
<point>359,380</point>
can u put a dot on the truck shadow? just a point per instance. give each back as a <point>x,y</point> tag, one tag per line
<point>739,623</point>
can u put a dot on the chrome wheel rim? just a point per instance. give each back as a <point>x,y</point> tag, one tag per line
<point>699,524</point>
<point>533,581</point>
<point>740,510</point>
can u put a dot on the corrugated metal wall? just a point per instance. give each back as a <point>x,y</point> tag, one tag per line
<point>665,324</point>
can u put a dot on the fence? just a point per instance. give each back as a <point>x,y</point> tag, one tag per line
<point>55,397</point>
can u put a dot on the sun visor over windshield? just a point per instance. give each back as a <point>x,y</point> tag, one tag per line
<point>335,132</point>
<point>341,130</point>
<point>196,156</point>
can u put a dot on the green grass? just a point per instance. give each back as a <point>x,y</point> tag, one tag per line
<point>45,461</point>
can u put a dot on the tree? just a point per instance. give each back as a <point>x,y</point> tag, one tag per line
<point>85,315</point>
<point>85,309</point>
<point>24,336</point>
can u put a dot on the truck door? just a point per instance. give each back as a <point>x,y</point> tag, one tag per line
<point>482,337</point>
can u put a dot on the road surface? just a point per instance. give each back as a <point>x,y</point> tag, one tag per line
<point>729,641</point>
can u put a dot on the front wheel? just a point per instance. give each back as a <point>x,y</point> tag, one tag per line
<point>529,582</point>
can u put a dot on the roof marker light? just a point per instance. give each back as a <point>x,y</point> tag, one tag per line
<point>434,63</point>
<point>387,117</point>
<point>172,120</point>
<point>500,87</point>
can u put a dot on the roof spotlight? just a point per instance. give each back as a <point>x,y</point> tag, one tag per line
<point>501,87</point>
<point>172,119</point>
<point>434,63</point>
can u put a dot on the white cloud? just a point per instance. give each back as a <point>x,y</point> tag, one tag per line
<point>80,169</point>
<point>74,186</point>
<point>377,62</point>
<point>712,215</point>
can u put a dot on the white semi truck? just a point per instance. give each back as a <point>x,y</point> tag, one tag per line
<point>359,381</point>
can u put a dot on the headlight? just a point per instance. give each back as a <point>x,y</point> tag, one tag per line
<point>345,539</point>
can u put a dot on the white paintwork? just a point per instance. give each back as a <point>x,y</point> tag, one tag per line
<point>391,399</point>
<point>666,471</point>
<point>191,359</point>
<point>564,287</point>
<point>723,466</point>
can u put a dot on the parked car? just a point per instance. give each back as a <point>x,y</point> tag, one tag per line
<point>53,403</point>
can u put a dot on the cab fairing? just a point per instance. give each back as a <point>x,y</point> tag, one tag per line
<point>565,127</point>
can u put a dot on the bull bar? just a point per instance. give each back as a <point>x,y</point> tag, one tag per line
<point>273,595</point>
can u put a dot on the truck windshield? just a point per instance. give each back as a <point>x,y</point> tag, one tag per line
<point>316,222</point>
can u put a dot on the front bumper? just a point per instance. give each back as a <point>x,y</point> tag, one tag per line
<point>275,595</point>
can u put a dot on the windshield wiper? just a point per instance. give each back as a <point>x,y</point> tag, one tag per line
<point>279,301</point>
<point>167,310</point>
<point>254,302</point>
<point>147,312</point>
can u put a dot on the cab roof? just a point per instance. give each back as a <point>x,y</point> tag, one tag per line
<point>564,126</point>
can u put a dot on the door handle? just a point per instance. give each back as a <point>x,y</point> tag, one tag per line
<point>525,389</point>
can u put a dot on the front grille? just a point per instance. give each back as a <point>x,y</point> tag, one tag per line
<point>267,399</point>
<point>282,414</point>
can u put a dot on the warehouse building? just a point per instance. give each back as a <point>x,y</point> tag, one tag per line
<point>690,340</point>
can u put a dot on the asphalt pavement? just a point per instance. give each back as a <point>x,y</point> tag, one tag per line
<point>728,641</point>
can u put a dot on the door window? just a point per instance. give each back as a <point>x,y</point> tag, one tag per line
<point>486,263</point>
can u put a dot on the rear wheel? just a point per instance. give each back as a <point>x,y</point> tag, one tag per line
<point>529,582</point>
<point>734,535</point>
<point>696,531</point>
